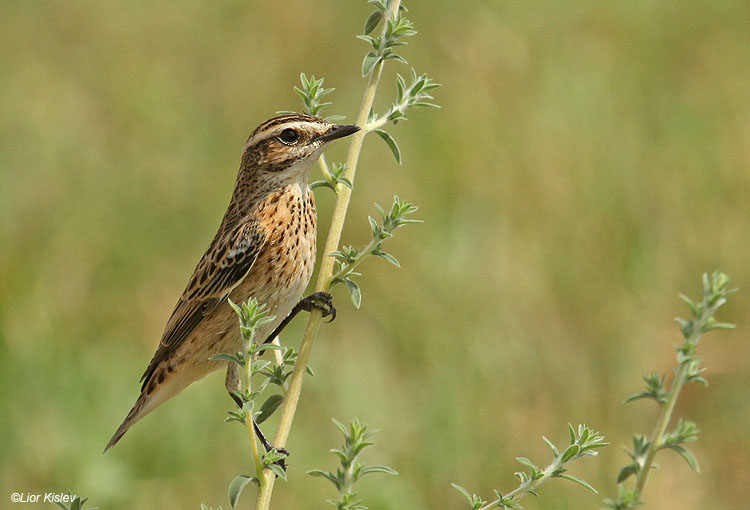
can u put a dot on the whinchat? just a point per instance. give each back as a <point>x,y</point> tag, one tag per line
<point>265,248</point>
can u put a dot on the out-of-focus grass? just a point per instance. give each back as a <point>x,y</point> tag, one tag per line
<point>590,161</point>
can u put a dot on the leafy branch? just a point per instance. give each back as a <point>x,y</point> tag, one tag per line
<point>396,27</point>
<point>351,469</point>
<point>348,258</point>
<point>715,292</point>
<point>252,316</point>
<point>583,443</point>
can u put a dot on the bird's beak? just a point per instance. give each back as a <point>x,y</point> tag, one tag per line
<point>339,131</point>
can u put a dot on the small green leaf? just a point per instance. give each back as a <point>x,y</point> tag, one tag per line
<point>570,452</point>
<point>268,408</point>
<point>236,486</point>
<point>277,470</point>
<point>379,469</point>
<point>687,455</point>
<point>237,309</point>
<point>355,292</point>
<point>327,475</point>
<point>387,256</point>
<point>526,462</point>
<point>227,357</point>
<point>372,21</point>
<point>369,62</point>
<point>391,143</point>
<point>580,482</point>
<point>625,472</point>
<point>321,184</point>
<point>719,325</point>
<point>397,58</point>
<point>340,426</point>
<point>638,396</point>
<point>554,449</point>
<point>474,500</point>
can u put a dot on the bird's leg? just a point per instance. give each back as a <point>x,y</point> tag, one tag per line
<point>234,388</point>
<point>322,301</point>
<point>232,383</point>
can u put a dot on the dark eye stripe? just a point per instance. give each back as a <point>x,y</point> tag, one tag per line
<point>283,119</point>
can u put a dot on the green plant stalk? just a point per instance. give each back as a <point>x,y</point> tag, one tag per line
<point>528,486</point>
<point>249,416</point>
<point>363,254</point>
<point>348,479</point>
<point>324,168</point>
<point>665,416</point>
<point>382,120</point>
<point>323,283</point>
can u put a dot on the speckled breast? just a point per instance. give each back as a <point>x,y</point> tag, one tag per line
<point>285,264</point>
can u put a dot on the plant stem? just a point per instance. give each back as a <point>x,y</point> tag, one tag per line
<point>528,486</point>
<point>249,415</point>
<point>666,414</point>
<point>324,168</point>
<point>363,254</point>
<point>323,283</point>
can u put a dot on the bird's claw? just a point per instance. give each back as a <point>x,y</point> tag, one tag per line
<point>322,301</point>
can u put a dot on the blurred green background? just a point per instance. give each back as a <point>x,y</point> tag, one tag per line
<point>590,161</point>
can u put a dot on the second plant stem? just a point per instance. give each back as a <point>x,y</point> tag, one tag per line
<point>664,417</point>
<point>249,414</point>
<point>323,282</point>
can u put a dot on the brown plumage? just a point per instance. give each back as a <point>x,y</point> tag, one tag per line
<point>264,248</point>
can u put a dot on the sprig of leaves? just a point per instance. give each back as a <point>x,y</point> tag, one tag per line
<point>348,258</point>
<point>333,177</point>
<point>584,442</point>
<point>311,92</point>
<point>382,46</point>
<point>407,96</point>
<point>414,95</point>
<point>351,469</point>
<point>715,292</point>
<point>252,315</point>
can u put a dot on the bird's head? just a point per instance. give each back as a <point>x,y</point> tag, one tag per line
<point>287,146</point>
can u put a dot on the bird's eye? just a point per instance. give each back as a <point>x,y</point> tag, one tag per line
<point>289,136</point>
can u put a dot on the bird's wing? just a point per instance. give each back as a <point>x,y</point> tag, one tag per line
<point>222,268</point>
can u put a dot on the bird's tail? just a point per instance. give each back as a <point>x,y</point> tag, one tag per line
<point>151,397</point>
<point>139,410</point>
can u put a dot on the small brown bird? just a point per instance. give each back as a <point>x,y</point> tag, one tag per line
<point>265,248</point>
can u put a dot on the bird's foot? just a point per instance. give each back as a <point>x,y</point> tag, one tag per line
<point>322,301</point>
<point>279,455</point>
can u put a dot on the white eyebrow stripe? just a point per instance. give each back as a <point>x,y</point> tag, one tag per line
<point>275,131</point>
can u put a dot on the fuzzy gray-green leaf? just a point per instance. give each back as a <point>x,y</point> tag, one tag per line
<point>268,408</point>
<point>236,486</point>
<point>391,143</point>
<point>369,62</point>
<point>355,292</point>
<point>580,482</point>
<point>687,455</point>
<point>372,21</point>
